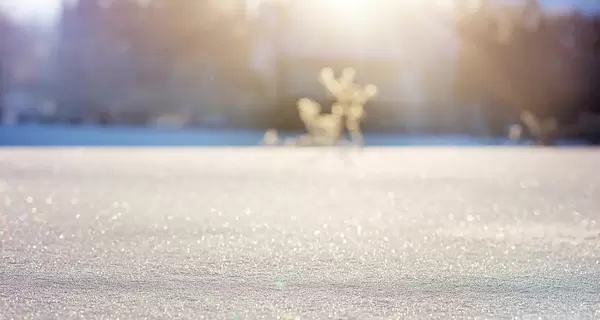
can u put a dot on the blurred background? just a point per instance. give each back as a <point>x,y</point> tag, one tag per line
<point>443,67</point>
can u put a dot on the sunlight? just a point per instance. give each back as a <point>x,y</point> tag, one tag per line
<point>359,6</point>
<point>369,11</point>
<point>349,15</point>
<point>345,6</point>
<point>32,9</point>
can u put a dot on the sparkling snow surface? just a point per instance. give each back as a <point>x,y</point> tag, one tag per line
<point>299,233</point>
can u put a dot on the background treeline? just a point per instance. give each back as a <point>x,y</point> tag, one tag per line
<point>193,63</point>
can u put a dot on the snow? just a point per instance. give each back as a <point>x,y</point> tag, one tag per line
<point>299,233</point>
<point>40,135</point>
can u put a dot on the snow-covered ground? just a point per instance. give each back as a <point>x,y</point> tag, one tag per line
<point>312,233</point>
<point>33,135</point>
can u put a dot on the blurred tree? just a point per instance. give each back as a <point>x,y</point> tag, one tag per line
<point>208,44</point>
<point>582,67</point>
<point>79,59</point>
<point>545,65</point>
<point>508,63</point>
<point>143,59</point>
<point>4,35</point>
<point>18,65</point>
<point>476,64</point>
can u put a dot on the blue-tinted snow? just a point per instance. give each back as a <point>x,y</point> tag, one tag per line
<point>128,136</point>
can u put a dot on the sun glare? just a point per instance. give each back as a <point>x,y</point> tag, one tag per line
<point>345,6</point>
<point>31,9</point>
<point>345,13</point>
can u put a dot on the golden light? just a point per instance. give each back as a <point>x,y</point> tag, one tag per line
<point>372,11</point>
<point>349,15</point>
<point>354,22</point>
<point>345,6</point>
<point>343,13</point>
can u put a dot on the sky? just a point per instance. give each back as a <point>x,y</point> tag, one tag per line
<point>46,10</point>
